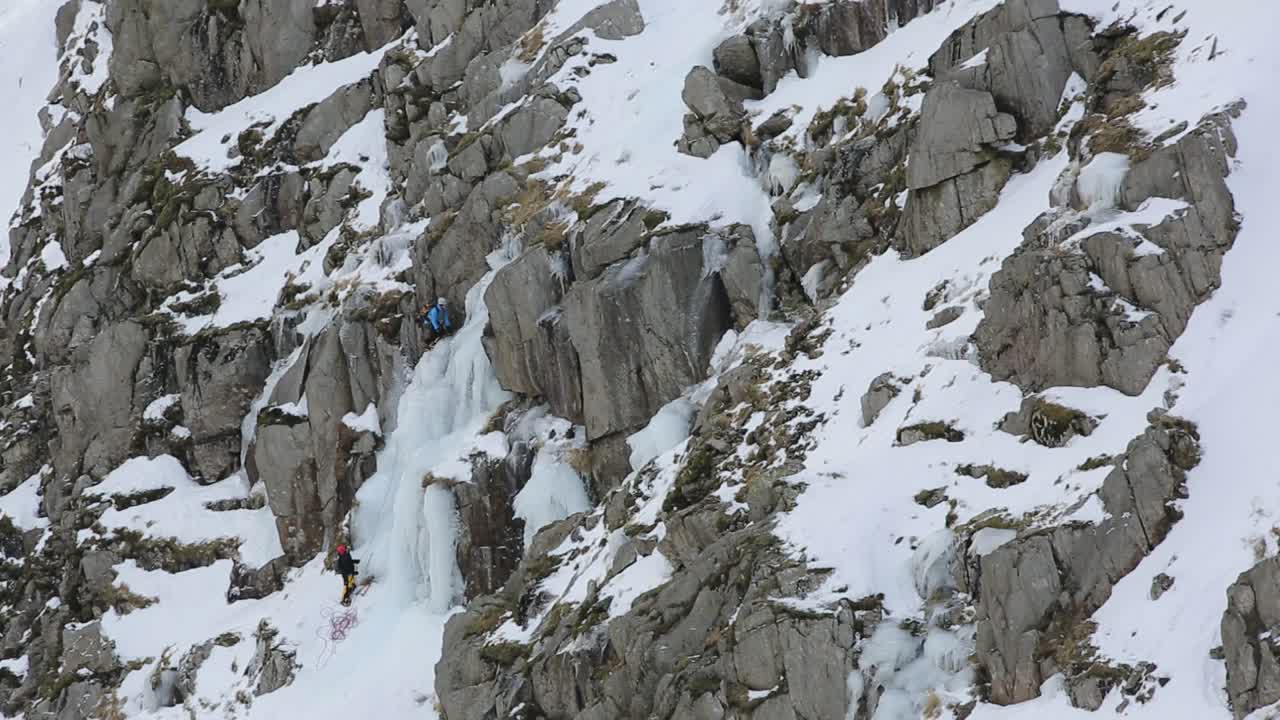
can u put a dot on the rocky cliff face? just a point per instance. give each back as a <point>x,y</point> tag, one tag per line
<point>813,361</point>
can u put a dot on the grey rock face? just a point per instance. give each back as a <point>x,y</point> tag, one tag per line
<point>491,542</point>
<point>93,402</point>
<point>742,274</point>
<point>1032,48</point>
<point>86,647</point>
<point>382,20</point>
<point>1048,323</point>
<point>954,174</point>
<point>848,226</point>
<point>219,375</point>
<point>455,261</point>
<point>843,27</point>
<point>611,234</point>
<point>310,461</point>
<point>1252,659</point>
<point>283,456</point>
<point>532,126</point>
<point>956,170</point>
<point>675,316</point>
<point>219,55</point>
<point>532,352</point>
<point>1034,589</point>
<point>847,27</point>
<point>956,125</point>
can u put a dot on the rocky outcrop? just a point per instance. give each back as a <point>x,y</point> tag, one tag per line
<point>1248,624</point>
<point>882,390</point>
<point>93,401</point>
<point>531,348</point>
<point>856,216</point>
<point>955,173</point>
<point>310,460</point>
<point>843,27</point>
<point>722,636</point>
<point>1078,307</point>
<point>674,310</point>
<point>218,53</point>
<point>218,377</point>
<point>717,114</point>
<point>1036,592</point>
<point>273,665</point>
<point>491,538</point>
<point>1017,57</point>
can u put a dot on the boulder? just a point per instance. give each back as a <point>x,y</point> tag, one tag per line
<point>1032,48</point>
<point>274,664</point>
<point>882,390</point>
<point>717,102</point>
<point>735,58</point>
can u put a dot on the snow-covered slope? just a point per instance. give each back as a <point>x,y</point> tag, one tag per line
<point>29,46</point>
<point>847,359</point>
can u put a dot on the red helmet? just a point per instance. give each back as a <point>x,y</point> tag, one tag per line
<point>342,549</point>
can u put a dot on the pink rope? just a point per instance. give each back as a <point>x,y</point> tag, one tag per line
<point>339,624</point>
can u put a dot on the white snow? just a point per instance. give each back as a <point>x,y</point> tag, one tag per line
<point>366,421</point>
<point>182,514</point>
<point>987,540</point>
<point>29,47</point>
<point>669,427</point>
<point>250,293</point>
<point>633,109</point>
<point>216,133</point>
<point>17,666</point>
<point>976,61</point>
<point>22,504</point>
<point>365,146</point>
<point>157,408</point>
<point>554,492</point>
<point>90,27</point>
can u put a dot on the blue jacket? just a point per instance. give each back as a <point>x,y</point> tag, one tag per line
<point>439,318</point>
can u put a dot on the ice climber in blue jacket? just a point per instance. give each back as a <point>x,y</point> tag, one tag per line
<point>438,319</point>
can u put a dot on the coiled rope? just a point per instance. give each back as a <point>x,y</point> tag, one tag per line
<point>338,624</point>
